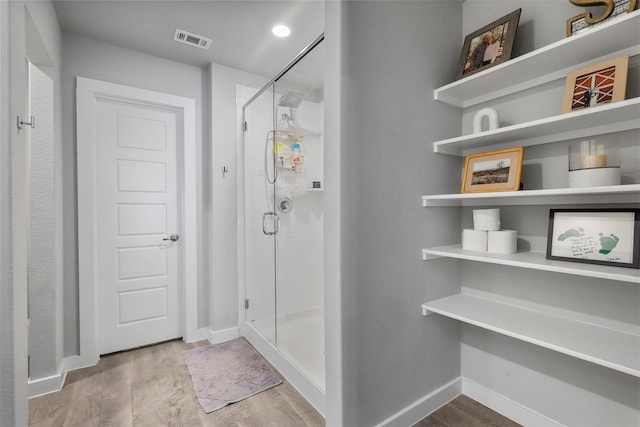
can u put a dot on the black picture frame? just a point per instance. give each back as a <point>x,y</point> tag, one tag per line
<point>592,235</point>
<point>472,57</point>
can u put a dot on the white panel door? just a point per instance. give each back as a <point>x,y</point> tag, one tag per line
<point>137,211</point>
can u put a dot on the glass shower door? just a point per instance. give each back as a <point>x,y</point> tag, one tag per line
<point>284,215</point>
<point>300,205</point>
<point>260,220</point>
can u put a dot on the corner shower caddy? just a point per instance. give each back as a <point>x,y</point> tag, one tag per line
<point>555,329</point>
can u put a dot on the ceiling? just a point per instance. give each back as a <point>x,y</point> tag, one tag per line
<point>240,30</point>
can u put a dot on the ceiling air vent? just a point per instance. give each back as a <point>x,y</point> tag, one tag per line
<point>192,39</point>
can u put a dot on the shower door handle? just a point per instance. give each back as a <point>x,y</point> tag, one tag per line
<point>276,222</point>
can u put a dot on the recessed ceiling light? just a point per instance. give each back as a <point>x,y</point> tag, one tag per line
<point>281,31</point>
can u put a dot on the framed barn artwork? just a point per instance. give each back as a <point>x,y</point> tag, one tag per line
<point>598,84</point>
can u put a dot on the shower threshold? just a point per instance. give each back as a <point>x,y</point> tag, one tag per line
<point>297,377</point>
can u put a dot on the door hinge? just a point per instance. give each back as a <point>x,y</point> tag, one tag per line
<point>245,126</point>
<point>246,304</point>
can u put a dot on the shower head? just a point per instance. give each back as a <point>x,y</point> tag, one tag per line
<point>291,99</point>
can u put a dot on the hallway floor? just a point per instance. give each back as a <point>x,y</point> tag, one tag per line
<point>150,386</point>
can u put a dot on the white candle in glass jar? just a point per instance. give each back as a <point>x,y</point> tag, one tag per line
<point>594,161</point>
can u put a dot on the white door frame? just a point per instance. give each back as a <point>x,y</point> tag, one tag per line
<point>88,91</point>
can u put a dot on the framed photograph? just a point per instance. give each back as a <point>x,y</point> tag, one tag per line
<point>595,236</point>
<point>595,85</point>
<point>489,45</point>
<point>493,171</point>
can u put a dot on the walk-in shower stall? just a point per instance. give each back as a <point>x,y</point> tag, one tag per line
<point>281,227</point>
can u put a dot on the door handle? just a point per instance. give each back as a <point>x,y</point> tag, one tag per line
<point>275,223</point>
<point>174,237</point>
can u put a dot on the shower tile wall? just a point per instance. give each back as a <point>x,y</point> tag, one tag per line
<point>300,242</point>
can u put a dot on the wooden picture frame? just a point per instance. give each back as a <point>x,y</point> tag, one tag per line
<point>493,171</point>
<point>488,46</point>
<point>595,236</point>
<point>598,84</point>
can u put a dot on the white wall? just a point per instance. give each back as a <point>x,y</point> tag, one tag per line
<point>223,298</point>
<point>567,390</point>
<point>392,55</point>
<point>102,61</point>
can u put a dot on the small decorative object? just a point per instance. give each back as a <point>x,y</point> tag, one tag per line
<point>502,241</point>
<point>493,171</point>
<point>491,116</point>
<point>598,84</point>
<point>586,20</point>
<point>489,45</point>
<point>595,236</point>
<point>594,163</point>
<point>474,240</point>
<point>486,219</point>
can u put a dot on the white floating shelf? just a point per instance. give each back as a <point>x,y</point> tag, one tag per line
<point>610,39</point>
<point>588,122</point>
<point>597,344</point>
<point>585,195</point>
<point>535,261</point>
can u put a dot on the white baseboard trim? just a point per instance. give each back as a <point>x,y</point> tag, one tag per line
<point>201,334</point>
<point>46,385</point>
<point>422,407</point>
<point>55,382</point>
<point>489,398</point>
<point>223,335</point>
<point>216,336</point>
<point>505,406</point>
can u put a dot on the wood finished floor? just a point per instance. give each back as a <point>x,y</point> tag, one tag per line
<point>151,387</point>
<point>465,412</point>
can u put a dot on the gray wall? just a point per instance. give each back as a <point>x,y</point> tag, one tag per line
<point>44,50</point>
<point>393,55</point>
<point>565,389</point>
<point>97,60</point>
<point>223,211</point>
<point>11,408</point>
<point>45,344</point>
<point>34,33</point>
<point>391,356</point>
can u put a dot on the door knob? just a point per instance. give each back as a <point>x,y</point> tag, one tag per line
<point>174,237</point>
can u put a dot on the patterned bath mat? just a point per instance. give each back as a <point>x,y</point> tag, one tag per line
<point>228,372</point>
